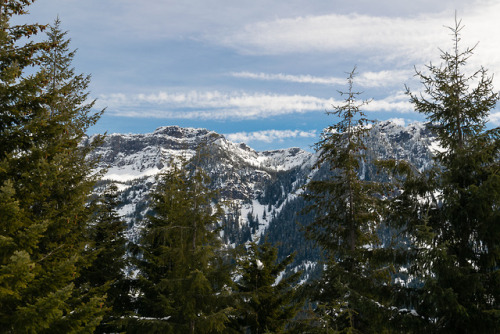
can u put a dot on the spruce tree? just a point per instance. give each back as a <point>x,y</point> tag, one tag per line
<point>107,250</point>
<point>45,181</point>
<point>455,209</point>
<point>183,282</point>
<point>267,302</point>
<point>352,291</point>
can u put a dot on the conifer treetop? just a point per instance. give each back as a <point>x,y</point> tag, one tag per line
<point>457,103</point>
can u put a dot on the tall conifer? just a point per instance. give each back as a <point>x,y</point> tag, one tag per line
<point>183,282</point>
<point>451,215</point>
<point>347,217</point>
<point>45,181</point>
<point>108,260</point>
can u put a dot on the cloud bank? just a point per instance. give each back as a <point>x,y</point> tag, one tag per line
<point>385,40</point>
<point>365,79</point>
<point>269,136</point>
<point>216,105</point>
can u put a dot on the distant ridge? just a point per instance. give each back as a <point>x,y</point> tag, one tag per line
<point>261,190</point>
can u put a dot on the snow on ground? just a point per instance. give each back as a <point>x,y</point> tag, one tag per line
<point>121,187</point>
<point>126,210</point>
<point>128,173</point>
<point>435,147</point>
<point>152,159</point>
<point>278,160</point>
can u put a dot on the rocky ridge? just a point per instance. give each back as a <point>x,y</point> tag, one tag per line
<point>261,188</point>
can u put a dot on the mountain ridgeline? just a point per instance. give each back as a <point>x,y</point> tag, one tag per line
<point>259,191</point>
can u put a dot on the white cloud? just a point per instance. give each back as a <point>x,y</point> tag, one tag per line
<point>393,41</point>
<point>233,106</point>
<point>269,136</point>
<point>210,105</point>
<point>334,33</point>
<point>152,19</point>
<point>365,79</point>
<point>398,102</point>
<point>383,78</point>
<point>289,78</point>
<point>495,118</point>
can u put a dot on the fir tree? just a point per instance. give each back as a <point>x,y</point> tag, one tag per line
<point>267,302</point>
<point>347,217</point>
<point>107,249</point>
<point>45,181</point>
<point>183,281</point>
<point>455,208</point>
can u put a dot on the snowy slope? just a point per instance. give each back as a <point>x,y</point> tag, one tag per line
<point>239,172</point>
<point>261,189</point>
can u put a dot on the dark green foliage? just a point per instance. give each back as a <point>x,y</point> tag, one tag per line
<point>184,282</point>
<point>277,191</point>
<point>45,181</point>
<point>107,250</point>
<point>352,292</point>
<point>264,304</point>
<point>452,213</point>
<point>253,222</point>
<point>342,222</point>
<point>285,232</point>
<point>233,232</point>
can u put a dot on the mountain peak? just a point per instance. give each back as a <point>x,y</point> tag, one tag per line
<point>176,131</point>
<point>260,190</point>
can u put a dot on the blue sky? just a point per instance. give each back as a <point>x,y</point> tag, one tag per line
<point>262,72</point>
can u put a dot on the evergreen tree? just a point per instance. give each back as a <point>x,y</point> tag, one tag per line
<point>45,181</point>
<point>451,214</point>
<point>267,302</point>
<point>107,249</point>
<point>352,290</point>
<point>183,281</point>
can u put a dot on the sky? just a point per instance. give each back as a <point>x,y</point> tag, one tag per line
<point>263,72</point>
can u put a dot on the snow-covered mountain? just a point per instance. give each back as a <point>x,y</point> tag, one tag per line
<point>240,173</point>
<point>261,188</point>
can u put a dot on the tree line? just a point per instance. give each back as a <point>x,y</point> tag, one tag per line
<point>417,252</point>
